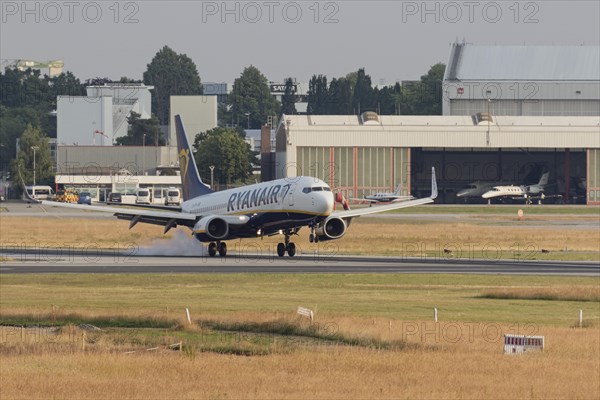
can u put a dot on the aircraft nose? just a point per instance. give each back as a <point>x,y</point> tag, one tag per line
<point>325,202</point>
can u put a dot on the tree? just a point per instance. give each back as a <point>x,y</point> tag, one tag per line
<point>340,97</point>
<point>250,100</point>
<point>138,128</point>
<point>317,95</point>
<point>22,166</point>
<point>363,98</point>
<point>171,74</point>
<point>226,150</point>
<point>429,101</point>
<point>288,100</point>
<point>388,99</point>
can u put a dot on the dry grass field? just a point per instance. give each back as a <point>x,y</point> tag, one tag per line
<point>373,337</point>
<point>388,237</point>
<point>472,367</point>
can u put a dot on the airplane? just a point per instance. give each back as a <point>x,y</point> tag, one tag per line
<point>475,189</point>
<point>523,191</point>
<point>386,197</point>
<point>282,206</point>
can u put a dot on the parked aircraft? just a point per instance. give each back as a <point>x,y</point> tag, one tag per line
<point>386,197</point>
<point>475,189</point>
<point>282,206</point>
<point>522,191</point>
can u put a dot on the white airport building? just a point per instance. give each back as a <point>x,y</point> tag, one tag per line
<point>89,161</point>
<point>101,117</point>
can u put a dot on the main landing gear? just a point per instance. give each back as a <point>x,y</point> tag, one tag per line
<point>287,246</point>
<point>221,247</point>
<point>313,237</point>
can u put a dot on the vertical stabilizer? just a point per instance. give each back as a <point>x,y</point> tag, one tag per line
<point>190,178</point>
<point>544,179</point>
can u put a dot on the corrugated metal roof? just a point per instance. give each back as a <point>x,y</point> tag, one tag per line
<point>531,63</point>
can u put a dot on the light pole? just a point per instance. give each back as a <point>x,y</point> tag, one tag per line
<point>212,169</point>
<point>144,154</point>
<point>34,148</point>
<point>489,117</point>
<point>248,115</point>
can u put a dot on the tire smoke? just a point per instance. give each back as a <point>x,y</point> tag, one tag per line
<point>180,244</point>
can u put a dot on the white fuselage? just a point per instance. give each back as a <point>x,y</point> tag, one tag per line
<point>513,191</point>
<point>301,195</point>
<point>384,197</point>
<point>475,189</point>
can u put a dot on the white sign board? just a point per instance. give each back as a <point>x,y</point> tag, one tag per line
<point>518,344</point>
<point>306,312</point>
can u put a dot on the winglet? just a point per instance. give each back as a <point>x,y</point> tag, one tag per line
<point>434,191</point>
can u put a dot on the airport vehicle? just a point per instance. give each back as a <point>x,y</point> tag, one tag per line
<point>38,192</point>
<point>85,198</point>
<point>115,197</point>
<point>282,206</point>
<point>66,196</point>
<point>143,196</point>
<point>386,197</point>
<point>522,191</point>
<point>172,196</point>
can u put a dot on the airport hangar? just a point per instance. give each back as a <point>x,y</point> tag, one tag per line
<point>359,155</point>
<point>509,112</point>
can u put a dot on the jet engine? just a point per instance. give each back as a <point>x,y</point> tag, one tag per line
<point>211,228</point>
<point>331,228</point>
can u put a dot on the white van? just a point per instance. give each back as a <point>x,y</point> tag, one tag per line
<point>38,193</point>
<point>143,196</point>
<point>172,196</point>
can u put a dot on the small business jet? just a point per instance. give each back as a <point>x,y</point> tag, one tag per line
<point>282,206</point>
<point>522,191</point>
<point>386,197</point>
<point>475,189</point>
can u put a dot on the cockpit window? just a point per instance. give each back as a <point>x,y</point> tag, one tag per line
<point>316,189</point>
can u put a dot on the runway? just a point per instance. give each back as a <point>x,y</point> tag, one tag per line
<point>60,261</point>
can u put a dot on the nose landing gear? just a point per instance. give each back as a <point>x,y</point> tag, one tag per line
<point>288,246</point>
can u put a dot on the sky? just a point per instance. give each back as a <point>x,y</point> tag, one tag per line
<point>393,40</point>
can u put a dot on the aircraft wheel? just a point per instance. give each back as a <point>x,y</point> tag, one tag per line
<point>281,249</point>
<point>222,249</point>
<point>311,238</point>
<point>212,249</point>
<point>291,249</point>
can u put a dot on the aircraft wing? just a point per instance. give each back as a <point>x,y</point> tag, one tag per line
<point>393,206</point>
<point>148,206</point>
<point>169,219</point>
<point>377,209</point>
<point>402,198</point>
<point>364,200</point>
